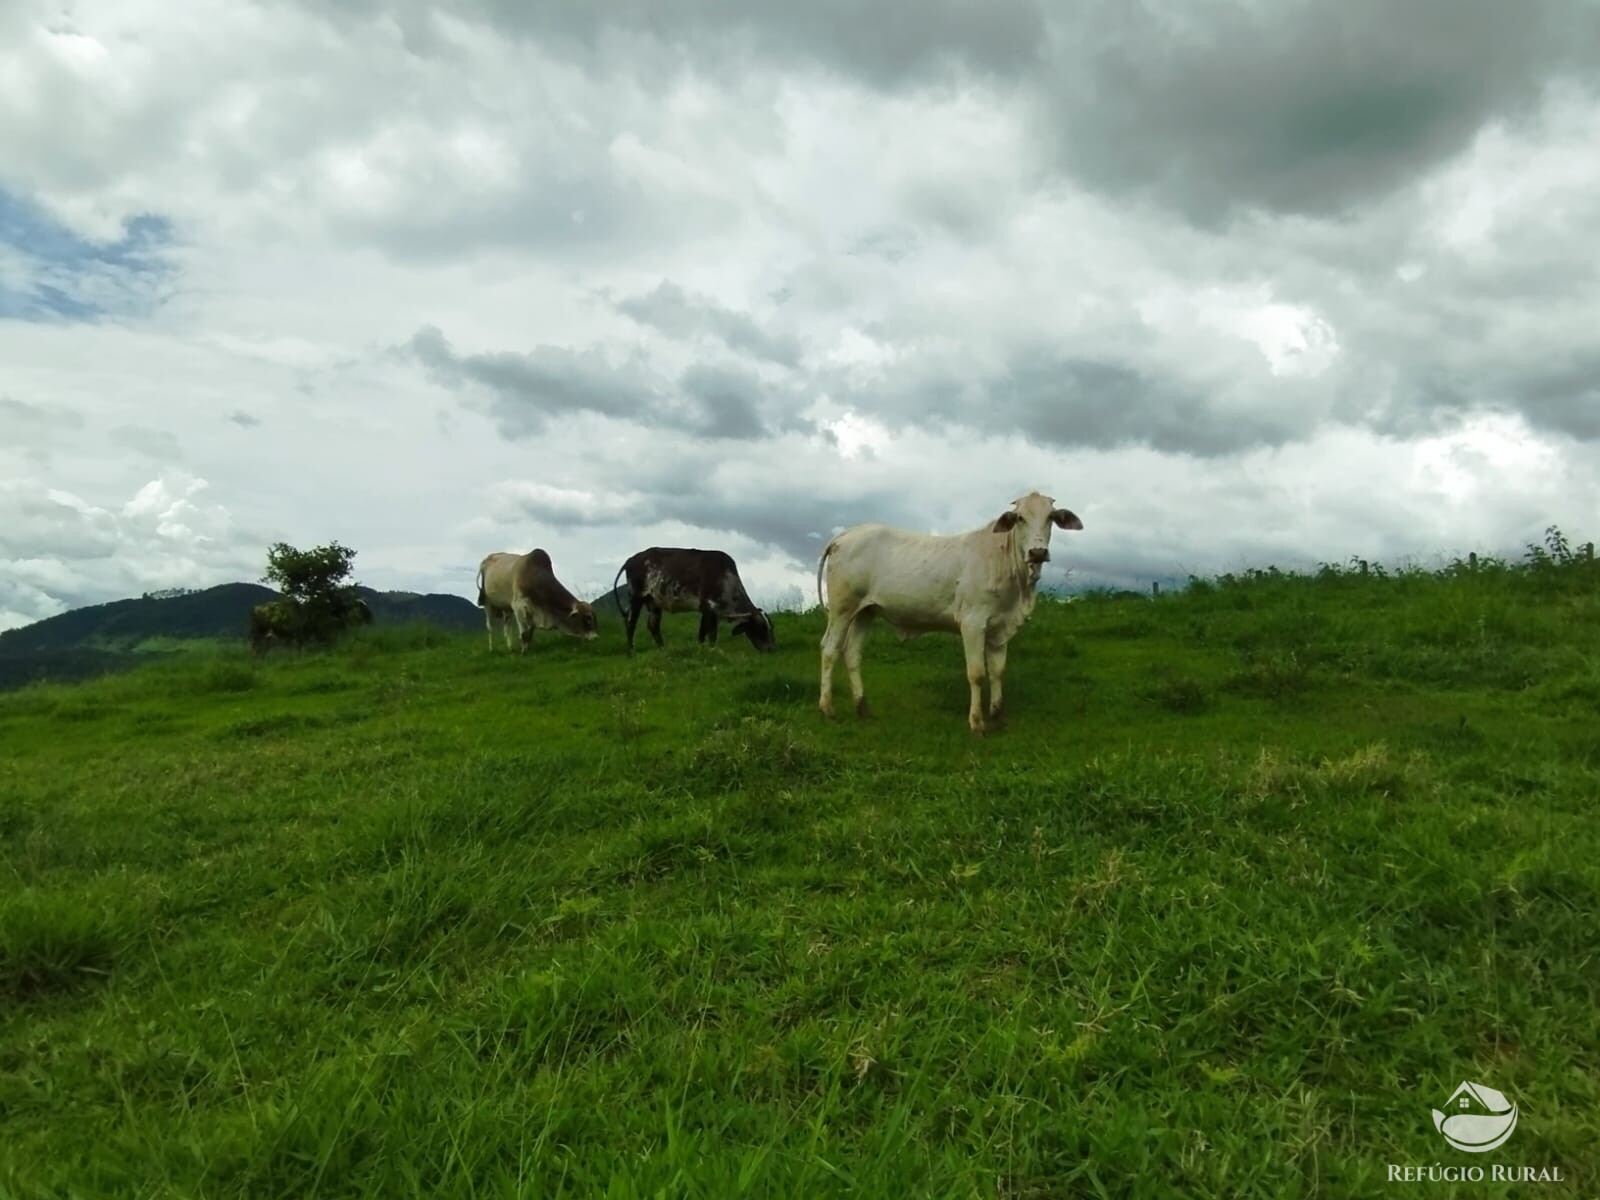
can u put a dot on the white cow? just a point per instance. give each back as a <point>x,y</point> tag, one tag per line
<point>523,588</point>
<point>978,584</point>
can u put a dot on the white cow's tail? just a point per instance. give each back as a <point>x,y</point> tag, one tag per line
<point>826,550</point>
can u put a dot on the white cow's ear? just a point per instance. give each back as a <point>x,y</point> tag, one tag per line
<point>1066,519</point>
<point>1007,521</point>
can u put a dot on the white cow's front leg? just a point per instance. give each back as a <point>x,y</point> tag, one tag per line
<point>973,641</point>
<point>997,674</point>
<point>507,627</point>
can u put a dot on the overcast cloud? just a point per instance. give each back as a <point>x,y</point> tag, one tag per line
<point>1239,282</point>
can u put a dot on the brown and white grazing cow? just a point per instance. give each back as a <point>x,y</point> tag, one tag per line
<point>524,588</point>
<point>980,584</point>
<point>673,579</point>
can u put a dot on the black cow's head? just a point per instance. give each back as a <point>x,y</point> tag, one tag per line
<point>758,628</point>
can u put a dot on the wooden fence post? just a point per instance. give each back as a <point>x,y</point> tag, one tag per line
<point>1363,566</point>
<point>1588,552</point>
<point>1155,588</point>
<point>1472,561</point>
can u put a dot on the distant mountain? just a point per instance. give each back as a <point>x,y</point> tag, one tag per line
<point>106,637</point>
<point>433,608</point>
<point>122,625</point>
<point>607,603</point>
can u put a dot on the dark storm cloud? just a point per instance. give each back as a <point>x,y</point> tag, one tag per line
<point>1559,395</point>
<point>674,312</point>
<point>791,516</point>
<point>1299,106</point>
<point>1058,399</point>
<point>33,526</point>
<point>1504,329</point>
<point>888,44</point>
<point>1207,108</point>
<point>549,381</point>
<point>1563,394</point>
<point>729,399</point>
<point>529,389</point>
<point>1067,401</point>
<point>738,404</point>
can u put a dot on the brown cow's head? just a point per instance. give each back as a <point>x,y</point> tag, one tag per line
<point>1030,520</point>
<point>580,622</point>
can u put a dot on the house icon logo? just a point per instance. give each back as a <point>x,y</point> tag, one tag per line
<point>1476,1118</point>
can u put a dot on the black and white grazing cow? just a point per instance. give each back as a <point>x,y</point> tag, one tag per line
<point>980,584</point>
<point>673,579</point>
<point>524,588</point>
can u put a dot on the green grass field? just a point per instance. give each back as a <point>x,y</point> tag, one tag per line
<point>1255,876</point>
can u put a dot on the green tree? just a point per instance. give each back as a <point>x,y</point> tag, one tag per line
<point>316,587</point>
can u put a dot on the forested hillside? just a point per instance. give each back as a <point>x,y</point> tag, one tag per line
<point>107,637</point>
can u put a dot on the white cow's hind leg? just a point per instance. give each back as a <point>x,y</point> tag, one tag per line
<point>973,641</point>
<point>997,673</point>
<point>832,642</point>
<point>855,640</point>
<point>488,624</point>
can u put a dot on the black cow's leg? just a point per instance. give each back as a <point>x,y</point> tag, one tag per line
<point>635,604</point>
<point>708,626</point>
<point>654,623</point>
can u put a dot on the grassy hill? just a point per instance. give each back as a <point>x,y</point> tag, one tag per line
<point>108,637</point>
<point>1256,876</point>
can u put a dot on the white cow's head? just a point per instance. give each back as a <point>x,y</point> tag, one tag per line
<point>1030,521</point>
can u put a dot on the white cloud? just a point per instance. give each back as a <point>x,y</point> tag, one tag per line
<point>60,548</point>
<point>901,273</point>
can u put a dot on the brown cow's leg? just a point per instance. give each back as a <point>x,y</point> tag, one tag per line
<point>521,612</point>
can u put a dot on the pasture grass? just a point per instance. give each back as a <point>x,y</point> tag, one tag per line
<point>1256,874</point>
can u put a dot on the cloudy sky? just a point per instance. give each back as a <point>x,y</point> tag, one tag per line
<point>1240,283</point>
